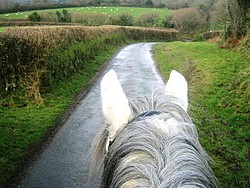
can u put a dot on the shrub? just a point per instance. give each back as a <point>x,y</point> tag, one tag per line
<point>188,20</point>
<point>168,22</point>
<point>147,19</point>
<point>64,17</point>
<point>114,20</point>
<point>246,41</point>
<point>151,34</point>
<point>34,16</point>
<point>125,19</point>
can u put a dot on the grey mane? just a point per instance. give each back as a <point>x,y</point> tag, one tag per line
<point>142,155</point>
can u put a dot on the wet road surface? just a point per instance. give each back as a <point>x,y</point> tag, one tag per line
<point>65,161</point>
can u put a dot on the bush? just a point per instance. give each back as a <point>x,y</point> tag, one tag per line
<point>188,20</point>
<point>246,41</point>
<point>147,19</point>
<point>125,19</point>
<point>150,34</point>
<point>149,3</point>
<point>34,16</point>
<point>114,20</point>
<point>168,22</point>
<point>64,17</point>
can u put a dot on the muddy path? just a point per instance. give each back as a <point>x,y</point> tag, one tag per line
<point>65,160</point>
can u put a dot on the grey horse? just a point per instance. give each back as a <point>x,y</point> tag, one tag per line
<point>149,141</point>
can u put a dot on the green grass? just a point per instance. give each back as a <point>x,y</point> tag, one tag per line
<point>135,12</point>
<point>219,95</point>
<point>22,127</point>
<point>2,29</point>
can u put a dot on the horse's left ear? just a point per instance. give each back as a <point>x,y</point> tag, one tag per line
<point>178,88</point>
<point>115,104</point>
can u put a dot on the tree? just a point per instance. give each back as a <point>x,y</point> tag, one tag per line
<point>34,17</point>
<point>41,2</point>
<point>206,7</point>
<point>75,2</point>
<point>177,4</point>
<point>238,26</point>
<point>188,20</point>
<point>64,17</point>
<point>149,3</point>
<point>219,14</point>
<point>6,5</point>
<point>97,2</point>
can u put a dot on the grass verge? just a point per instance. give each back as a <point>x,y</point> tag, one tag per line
<point>219,95</point>
<point>23,127</point>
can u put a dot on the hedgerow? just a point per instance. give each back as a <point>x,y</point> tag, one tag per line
<point>35,58</point>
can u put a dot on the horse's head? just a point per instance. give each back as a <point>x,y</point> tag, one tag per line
<point>149,142</point>
<point>115,104</point>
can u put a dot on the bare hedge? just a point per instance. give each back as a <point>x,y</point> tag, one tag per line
<point>34,58</point>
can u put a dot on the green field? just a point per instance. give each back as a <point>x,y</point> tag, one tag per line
<point>135,12</point>
<point>219,99</point>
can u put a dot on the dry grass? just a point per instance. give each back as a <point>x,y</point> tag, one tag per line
<point>56,36</point>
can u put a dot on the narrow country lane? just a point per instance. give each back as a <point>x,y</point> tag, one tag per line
<point>65,162</point>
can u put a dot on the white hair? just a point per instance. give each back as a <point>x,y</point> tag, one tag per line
<point>157,147</point>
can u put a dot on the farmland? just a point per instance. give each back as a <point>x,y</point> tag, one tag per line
<point>135,12</point>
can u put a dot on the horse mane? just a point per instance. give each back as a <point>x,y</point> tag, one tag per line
<point>146,154</point>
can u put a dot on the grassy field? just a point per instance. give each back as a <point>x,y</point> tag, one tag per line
<point>135,12</point>
<point>219,95</point>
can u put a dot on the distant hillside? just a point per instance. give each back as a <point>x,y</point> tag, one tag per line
<point>21,5</point>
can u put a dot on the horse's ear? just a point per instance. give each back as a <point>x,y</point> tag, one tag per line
<point>114,102</point>
<point>178,88</point>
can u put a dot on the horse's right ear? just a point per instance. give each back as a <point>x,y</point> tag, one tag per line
<point>177,87</point>
<point>114,103</point>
